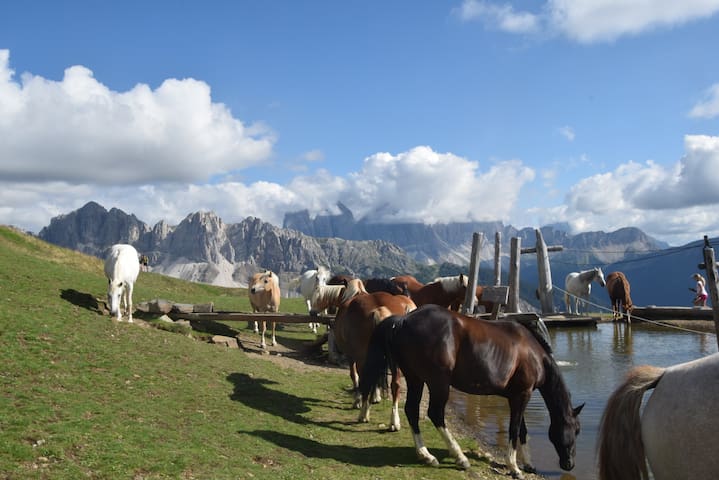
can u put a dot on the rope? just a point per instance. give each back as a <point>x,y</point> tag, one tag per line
<point>654,322</point>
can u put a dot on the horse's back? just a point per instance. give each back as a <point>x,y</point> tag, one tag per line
<point>122,260</point>
<point>680,428</point>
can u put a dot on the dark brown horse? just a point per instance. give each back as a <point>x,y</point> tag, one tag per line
<point>386,285</point>
<point>352,329</point>
<point>441,348</point>
<point>618,289</point>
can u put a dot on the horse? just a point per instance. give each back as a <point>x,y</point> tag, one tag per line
<point>352,329</point>
<point>441,348</point>
<point>488,306</point>
<point>618,289</point>
<point>122,266</point>
<point>307,285</point>
<point>264,292</point>
<point>327,297</point>
<point>579,286</point>
<point>443,291</point>
<point>413,285</point>
<point>677,430</point>
<point>388,285</point>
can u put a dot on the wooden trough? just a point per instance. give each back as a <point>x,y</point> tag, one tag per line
<point>653,312</point>
<point>250,317</point>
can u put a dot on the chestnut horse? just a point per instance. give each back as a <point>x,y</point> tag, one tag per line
<point>441,348</point>
<point>677,430</point>
<point>618,289</point>
<point>388,285</point>
<point>353,327</point>
<point>443,291</point>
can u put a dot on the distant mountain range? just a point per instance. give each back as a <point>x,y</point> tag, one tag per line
<point>203,248</point>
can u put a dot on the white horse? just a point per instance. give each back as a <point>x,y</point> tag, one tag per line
<point>578,285</point>
<point>122,266</point>
<point>676,430</point>
<point>308,280</point>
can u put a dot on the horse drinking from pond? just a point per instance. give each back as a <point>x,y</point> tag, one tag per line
<point>122,266</point>
<point>264,292</point>
<point>442,348</point>
<point>578,286</point>
<point>618,289</point>
<point>677,430</point>
<point>308,280</point>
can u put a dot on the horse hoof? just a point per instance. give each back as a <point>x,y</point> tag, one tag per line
<point>462,463</point>
<point>394,428</point>
<point>529,469</point>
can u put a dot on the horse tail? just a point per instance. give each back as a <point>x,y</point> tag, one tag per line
<point>621,451</point>
<point>378,358</point>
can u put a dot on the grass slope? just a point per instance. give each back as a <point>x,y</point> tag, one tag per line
<point>82,396</point>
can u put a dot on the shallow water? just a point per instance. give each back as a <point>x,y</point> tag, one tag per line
<point>593,360</point>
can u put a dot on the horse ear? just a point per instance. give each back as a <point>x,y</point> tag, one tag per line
<point>577,410</point>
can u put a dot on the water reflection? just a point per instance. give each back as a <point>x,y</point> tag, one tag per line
<point>593,361</point>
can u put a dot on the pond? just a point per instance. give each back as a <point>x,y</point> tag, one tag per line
<point>593,360</point>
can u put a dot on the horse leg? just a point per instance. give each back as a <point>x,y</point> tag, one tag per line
<point>128,301</point>
<point>263,345</point>
<point>394,416</point>
<point>524,448</point>
<point>411,409</point>
<point>274,340</point>
<point>517,405</point>
<point>354,376</point>
<point>438,397</point>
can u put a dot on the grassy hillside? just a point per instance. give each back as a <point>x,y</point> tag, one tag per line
<point>84,396</point>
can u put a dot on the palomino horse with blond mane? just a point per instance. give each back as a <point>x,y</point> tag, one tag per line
<point>676,433</point>
<point>122,266</point>
<point>264,292</point>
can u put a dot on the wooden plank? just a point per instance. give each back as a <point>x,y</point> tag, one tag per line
<point>251,317</point>
<point>498,294</point>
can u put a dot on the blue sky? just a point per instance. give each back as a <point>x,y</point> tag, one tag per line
<point>598,113</point>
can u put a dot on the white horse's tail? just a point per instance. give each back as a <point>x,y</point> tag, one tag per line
<point>621,450</point>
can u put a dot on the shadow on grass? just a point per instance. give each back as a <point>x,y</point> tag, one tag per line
<point>255,393</point>
<point>83,300</point>
<point>375,456</point>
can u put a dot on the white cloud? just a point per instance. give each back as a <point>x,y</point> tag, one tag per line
<point>79,131</point>
<point>709,106</point>
<point>590,21</point>
<point>675,203</point>
<point>567,132</point>
<point>503,17</point>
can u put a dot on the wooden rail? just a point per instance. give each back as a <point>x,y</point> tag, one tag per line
<point>251,317</point>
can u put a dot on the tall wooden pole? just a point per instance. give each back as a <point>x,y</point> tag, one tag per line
<point>470,296</point>
<point>712,278</point>
<point>514,254</point>
<point>545,275</point>
<point>497,261</point>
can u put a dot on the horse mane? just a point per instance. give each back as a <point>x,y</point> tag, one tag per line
<point>452,284</point>
<point>354,287</point>
<point>326,295</point>
<point>541,334</point>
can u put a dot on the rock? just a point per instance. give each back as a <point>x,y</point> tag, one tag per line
<point>229,342</point>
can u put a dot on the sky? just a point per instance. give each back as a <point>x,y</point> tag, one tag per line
<point>602,114</point>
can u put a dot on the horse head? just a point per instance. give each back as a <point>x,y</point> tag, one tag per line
<point>563,433</point>
<point>114,293</point>
<point>600,277</point>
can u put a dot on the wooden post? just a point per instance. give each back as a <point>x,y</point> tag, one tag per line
<point>470,295</point>
<point>712,278</point>
<point>497,262</point>
<point>514,254</point>
<point>546,299</point>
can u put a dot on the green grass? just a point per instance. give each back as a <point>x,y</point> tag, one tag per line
<point>82,396</point>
